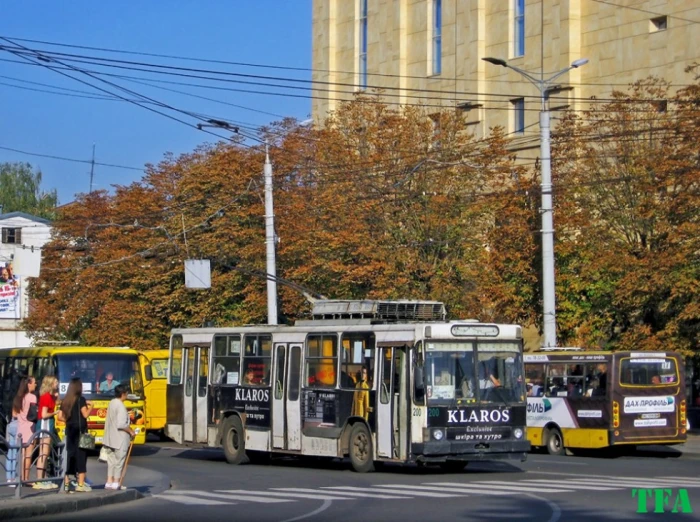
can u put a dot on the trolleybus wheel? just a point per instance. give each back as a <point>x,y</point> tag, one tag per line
<point>361,449</point>
<point>453,466</point>
<point>233,440</point>
<point>555,442</point>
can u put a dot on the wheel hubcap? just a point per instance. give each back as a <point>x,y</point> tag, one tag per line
<point>361,446</point>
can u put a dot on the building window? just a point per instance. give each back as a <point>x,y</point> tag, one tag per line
<point>518,115</point>
<point>12,236</point>
<point>437,37</point>
<point>658,24</point>
<point>363,44</point>
<point>519,28</point>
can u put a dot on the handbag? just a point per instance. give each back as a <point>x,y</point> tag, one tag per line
<point>33,413</point>
<point>103,454</point>
<point>86,440</point>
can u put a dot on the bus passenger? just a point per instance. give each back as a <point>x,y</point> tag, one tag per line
<point>109,383</point>
<point>360,402</point>
<point>249,377</point>
<point>656,379</point>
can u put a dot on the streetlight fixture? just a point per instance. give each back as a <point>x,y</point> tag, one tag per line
<point>544,85</point>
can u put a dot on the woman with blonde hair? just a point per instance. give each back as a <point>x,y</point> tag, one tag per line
<point>47,412</point>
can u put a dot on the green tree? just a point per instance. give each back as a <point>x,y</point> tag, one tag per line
<point>20,191</point>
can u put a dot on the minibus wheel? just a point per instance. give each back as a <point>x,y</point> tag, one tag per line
<point>361,449</point>
<point>555,442</point>
<point>233,440</point>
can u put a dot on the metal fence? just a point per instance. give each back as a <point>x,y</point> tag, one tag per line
<point>44,454</point>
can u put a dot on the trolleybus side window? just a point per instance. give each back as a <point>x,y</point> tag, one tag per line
<point>227,359</point>
<point>356,353</point>
<point>321,359</point>
<point>175,366</point>
<point>256,360</point>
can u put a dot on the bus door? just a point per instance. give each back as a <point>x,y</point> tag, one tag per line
<point>392,407</point>
<point>286,406</point>
<point>196,393</point>
<point>279,415</point>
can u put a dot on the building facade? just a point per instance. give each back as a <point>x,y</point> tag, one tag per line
<point>23,236</point>
<point>430,52</point>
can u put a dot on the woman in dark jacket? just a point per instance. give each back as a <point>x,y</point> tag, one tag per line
<point>74,412</point>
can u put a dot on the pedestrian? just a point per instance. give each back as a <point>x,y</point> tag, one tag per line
<point>118,435</point>
<point>25,402</point>
<point>12,451</point>
<point>47,412</point>
<point>74,412</point>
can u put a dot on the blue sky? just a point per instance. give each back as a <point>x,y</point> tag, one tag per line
<point>275,32</point>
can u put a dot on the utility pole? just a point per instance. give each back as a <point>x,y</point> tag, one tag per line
<point>270,243</point>
<point>544,86</point>
<point>92,167</point>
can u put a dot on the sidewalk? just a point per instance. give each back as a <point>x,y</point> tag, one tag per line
<point>34,503</point>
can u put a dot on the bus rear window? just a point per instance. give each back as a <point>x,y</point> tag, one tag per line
<point>648,371</point>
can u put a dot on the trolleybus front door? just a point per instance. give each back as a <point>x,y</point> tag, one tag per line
<point>392,406</point>
<point>196,393</point>
<point>279,415</point>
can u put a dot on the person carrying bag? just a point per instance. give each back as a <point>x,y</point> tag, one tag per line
<point>118,436</point>
<point>74,412</point>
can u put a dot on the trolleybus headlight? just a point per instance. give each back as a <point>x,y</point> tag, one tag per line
<point>518,433</point>
<point>438,434</point>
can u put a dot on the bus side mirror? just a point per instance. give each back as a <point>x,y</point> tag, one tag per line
<point>419,383</point>
<point>148,372</point>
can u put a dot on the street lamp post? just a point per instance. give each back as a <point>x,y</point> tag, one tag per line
<point>544,85</point>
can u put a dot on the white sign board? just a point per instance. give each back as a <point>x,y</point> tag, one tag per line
<point>197,273</point>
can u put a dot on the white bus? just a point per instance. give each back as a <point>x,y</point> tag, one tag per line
<point>378,381</point>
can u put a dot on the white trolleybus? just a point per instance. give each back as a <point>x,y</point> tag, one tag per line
<point>378,381</point>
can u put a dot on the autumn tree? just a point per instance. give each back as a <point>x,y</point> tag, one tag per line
<point>378,202</point>
<point>627,218</point>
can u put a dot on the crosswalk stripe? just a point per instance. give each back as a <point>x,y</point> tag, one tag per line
<point>283,494</point>
<point>414,493</point>
<point>461,491</point>
<point>623,483</point>
<point>210,494</point>
<point>639,481</point>
<point>484,486</point>
<point>541,482</point>
<point>574,484</point>
<point>346,493</point>
<point>183,498</point>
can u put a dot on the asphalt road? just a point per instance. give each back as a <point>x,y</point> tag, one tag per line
<point>545,488</point>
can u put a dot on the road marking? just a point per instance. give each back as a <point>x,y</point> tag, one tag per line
<point>183,498</point>
<point>542,461</point>
<point>414,493</point>
<point>577,486</point>
<point>227,497</point>
<point>513,488</point>
<point>346,493</point>
<point>274,493</point>
<point>651,483</point>
<point>425,487</point>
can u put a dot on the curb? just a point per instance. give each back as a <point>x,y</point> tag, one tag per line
<point>70,504</point>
